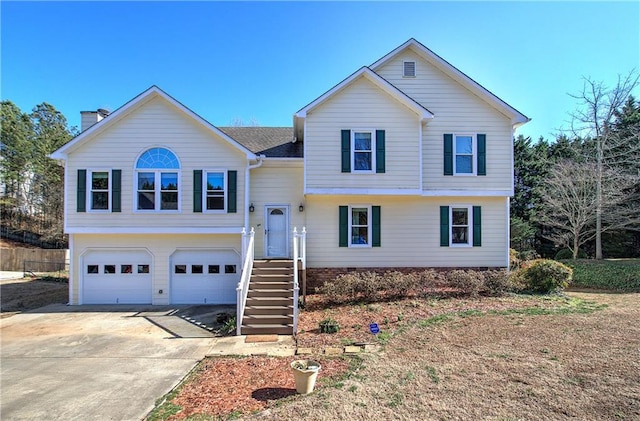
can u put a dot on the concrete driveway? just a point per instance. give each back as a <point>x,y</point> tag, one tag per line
<point>93,362</point>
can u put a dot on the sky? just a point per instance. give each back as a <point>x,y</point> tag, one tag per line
<point>263,61</point>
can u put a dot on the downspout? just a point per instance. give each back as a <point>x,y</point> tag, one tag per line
<point>247,178</point>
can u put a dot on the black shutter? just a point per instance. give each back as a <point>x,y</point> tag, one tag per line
<point>448,154</point>
<point>197,190</point>
<point>482,154</point>
<point>380,152</point>
<point>477,226</point>
<point>444,226</point>
<point>116,190</point>
<point>81,192</point>
<point>375,228</point>
<point>232,198</point>
<point>343,228</point>
<point>346,150</point>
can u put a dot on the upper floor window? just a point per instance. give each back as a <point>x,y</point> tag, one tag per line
<point>99,190</point>
<point>362,151</point>
<point>464,154</point>
<point>157,180</point>
<point>215,182</point>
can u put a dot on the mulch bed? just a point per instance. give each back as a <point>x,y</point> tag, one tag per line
<point>222,386</point>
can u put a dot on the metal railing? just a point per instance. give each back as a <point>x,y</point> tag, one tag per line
<point>299,255</point>
<point>245,277</point>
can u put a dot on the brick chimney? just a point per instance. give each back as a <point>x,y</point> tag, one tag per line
<point>89,118</point>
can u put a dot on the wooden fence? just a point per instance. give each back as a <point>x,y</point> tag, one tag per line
<point>13,259</point>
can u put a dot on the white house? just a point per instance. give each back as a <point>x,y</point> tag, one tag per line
<point>406,163</point>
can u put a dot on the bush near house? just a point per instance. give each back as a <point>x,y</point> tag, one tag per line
<point>373,286</point>
<point>616,275</point>
<point>543,276</point>
<point>566,254</point>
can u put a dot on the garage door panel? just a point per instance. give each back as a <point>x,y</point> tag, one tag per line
<point>121,277</point>
<point>204,276</point>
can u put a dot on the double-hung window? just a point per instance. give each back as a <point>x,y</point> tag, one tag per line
<point>460,233</point>
<point>157,181</point>
<point>215,192</point>
<point>360,226</point>
<point>100,185</point>
<point>362,150</point>
<point>464,154</point>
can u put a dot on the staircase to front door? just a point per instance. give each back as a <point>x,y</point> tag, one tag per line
<point>269,308</point>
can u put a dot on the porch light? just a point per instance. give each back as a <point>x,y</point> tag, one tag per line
<point>301,207</point>
<point>251,208</point>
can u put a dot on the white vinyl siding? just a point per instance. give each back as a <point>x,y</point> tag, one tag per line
<point>410,227</point>
<point>276,183</point>
<point>456,110</point>
<point>155,123</point>
<point>362,105</point>
<point>160,247</point>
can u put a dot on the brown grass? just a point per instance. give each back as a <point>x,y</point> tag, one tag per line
<point>497,367</point>
<point>515,365</point>
<point>27,294</point>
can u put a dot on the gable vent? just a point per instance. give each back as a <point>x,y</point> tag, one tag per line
<point>408,69</point>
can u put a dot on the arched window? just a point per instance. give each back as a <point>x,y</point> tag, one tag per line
<point>157,180</point>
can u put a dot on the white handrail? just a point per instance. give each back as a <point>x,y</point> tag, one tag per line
<point>299,254</point>
<point>247,267</point>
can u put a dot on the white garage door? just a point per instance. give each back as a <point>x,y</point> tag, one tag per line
<point>116,277</point>
<point>204,276</point>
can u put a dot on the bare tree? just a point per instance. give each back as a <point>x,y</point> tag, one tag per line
<point>570,199</point>
<point>594,119</point>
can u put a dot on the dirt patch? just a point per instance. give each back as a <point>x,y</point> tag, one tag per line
<point>528,358</point>
<point>27,294</point>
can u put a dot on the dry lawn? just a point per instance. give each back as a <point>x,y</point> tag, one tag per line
<point>496,367</point>
<point>18,295</point>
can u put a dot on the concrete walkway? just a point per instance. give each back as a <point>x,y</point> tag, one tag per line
<point>6,275</point>
<point>97,363</point>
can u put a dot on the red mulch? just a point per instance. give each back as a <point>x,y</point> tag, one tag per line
<point>244,384</point>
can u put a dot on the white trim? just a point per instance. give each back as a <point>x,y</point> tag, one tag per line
<point>154,230</point>
<point>387,87</point>
<point>287,211</point>
<point>369,226</point>
<point>89,196</point>
<point>372,151</point>
<point>508,219</point>
<point>407,192</point>
<point>474,155</point>
<point>469,209</point>
<point>465,193</point>
<point>150,93</point>
<point>66,195</point>
<point>225,182</point>
<point>72,267</point>
<point>517,118</point>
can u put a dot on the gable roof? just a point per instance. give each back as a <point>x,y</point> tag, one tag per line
<point>273,142</point>
<point>379,81</point>
<point>517,118</point>
<point>118,114</point>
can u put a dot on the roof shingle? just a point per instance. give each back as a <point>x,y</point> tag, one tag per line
<point>273,142</point>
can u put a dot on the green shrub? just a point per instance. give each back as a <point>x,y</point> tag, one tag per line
<point>544,276</point>
<point>329,325</point>
<point>617,275</point>
<point>566,254</point>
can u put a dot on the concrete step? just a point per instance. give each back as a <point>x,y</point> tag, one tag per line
<point>269,310</point>
<point>267,319</point>
<point>270,292</point>
<point>267,329</point>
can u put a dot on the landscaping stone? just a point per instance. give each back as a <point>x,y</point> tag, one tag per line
<point>332,351</point>
<point>352,349</point>
<point>304,351</point>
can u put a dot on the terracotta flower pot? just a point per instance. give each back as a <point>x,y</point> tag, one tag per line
<point>305,373</point>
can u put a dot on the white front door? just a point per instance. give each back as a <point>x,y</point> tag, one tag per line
<point>276,231</point>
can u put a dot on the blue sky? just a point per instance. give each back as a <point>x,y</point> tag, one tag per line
<point>265,60</point>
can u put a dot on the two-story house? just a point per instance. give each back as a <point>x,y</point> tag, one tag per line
<point>407,163</point>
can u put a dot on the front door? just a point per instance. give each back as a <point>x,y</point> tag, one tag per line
<point>276,231</point>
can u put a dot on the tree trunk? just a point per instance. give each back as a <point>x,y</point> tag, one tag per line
<point>599,200</point>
